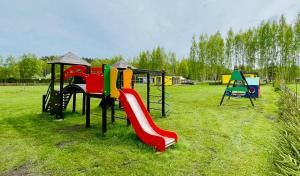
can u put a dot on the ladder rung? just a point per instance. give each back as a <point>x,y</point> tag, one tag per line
<point>155,102</point>
<point>124,118</point>
<point>155,109</point>
<point>155,95</point>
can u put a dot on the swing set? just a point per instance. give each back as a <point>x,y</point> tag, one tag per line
<point>239,88</point>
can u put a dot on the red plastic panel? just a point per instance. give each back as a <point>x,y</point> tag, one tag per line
<point>77,70</point>
<point>96,70</point>
<point>156,141</point>
<point>94,83</point>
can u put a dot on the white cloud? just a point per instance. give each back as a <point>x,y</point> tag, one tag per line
<point>117,27</point>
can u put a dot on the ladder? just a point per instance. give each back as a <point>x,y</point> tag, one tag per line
<point>66,99</point>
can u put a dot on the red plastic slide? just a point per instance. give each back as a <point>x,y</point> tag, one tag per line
<point>142,122</point>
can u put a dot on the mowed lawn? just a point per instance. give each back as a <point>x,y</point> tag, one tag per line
<point>234,139</point>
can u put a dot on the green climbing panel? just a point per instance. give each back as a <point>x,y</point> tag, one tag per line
<point>107,80</point>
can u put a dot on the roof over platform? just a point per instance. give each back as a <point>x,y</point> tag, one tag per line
<point>70,59</point>
<point>253,81</point>
<point>122,64</point>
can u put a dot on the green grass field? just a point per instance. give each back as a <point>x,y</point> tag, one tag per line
<point>235,139</point>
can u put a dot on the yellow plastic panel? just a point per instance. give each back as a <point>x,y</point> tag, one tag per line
<point>127,77</point>
<point>168,80</point>
<point>114,92</point>
<point>225,79</point>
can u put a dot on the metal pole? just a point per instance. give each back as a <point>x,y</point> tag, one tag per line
<point>52,76</point>
<point>61,86</point>
<point>132,82</point>
<point>163,111</point>
<point>44,104</point>
<point>88,68</point>
<point>120,86</point>
<point>148,92</point>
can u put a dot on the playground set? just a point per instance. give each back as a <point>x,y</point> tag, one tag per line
<point>108,84</point>
<point>241,87</point>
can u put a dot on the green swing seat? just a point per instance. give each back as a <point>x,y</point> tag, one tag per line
<point>237,88</point>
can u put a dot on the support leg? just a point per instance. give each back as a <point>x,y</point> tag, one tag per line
<point>88,111</point>
<point>254,97</point>
<point>61,109</point>
<point>83,103</point>
<point>163,109</point>
<point>44,104</point>
<point>104,109</point>
<point>222,98</point>
<point>225,91</point>
<point>250,99</point>
<point>128,121</point>
<point>113,112</point>
<point>74,102</point>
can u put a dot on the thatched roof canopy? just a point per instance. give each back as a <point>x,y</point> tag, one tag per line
<point>70,59</point>
<point>122,64</point>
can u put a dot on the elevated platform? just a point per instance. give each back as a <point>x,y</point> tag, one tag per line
<point>80,88</point>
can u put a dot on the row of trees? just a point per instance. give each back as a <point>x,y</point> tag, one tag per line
<point>26,67</point>
<point>29,66</point>
<point>272,49</point>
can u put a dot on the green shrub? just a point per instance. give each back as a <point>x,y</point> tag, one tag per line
<point>277,83</point>
<point>287,159</point>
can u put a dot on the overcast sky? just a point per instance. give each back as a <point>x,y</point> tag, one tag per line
<point>99,28</point>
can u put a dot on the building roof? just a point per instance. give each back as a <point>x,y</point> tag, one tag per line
<point>69,59</point>
<point>253,81</point>
<point>122,64</point>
